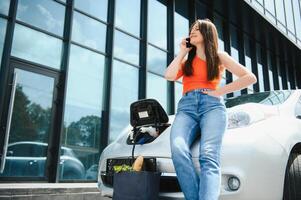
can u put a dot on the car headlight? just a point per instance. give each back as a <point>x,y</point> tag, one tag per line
<point>242,118</point>
<point>233,183</point>
<point>249,113</point>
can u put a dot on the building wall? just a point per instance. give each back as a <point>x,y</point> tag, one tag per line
<point>94,58</point>
<point>285,15</point>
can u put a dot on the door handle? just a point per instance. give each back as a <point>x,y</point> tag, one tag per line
<point>8,122</point>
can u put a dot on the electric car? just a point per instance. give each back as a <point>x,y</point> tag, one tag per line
<point>260,154</point>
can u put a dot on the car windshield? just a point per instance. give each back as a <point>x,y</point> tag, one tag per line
<point>268,98</point>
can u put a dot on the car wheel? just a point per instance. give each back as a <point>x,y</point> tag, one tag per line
<point>292,181</point>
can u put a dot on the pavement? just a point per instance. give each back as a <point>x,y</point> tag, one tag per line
<point>50,191</point>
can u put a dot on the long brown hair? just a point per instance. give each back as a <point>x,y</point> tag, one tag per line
<point>210,38</point>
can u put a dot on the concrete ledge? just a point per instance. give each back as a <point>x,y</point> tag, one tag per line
<point>50,191</point>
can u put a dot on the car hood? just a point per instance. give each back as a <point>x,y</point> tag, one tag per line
<point>160,147</point>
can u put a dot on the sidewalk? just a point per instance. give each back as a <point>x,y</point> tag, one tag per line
<point>50,191</point>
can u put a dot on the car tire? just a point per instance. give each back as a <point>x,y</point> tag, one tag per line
<point>292,181</point>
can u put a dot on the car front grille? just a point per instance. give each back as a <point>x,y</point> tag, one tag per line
<point>167,183</point>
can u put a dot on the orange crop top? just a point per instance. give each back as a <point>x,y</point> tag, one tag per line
<point>199,78</point>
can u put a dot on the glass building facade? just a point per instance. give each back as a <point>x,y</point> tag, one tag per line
<point>283,14</point>
<point>71,68</point>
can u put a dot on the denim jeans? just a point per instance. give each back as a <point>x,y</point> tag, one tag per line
<point>198,113</point>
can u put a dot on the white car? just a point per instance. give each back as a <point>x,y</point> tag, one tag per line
<point>260,155</point>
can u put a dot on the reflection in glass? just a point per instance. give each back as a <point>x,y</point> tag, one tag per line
<point>82,121</point>
<point>279,73</point>
<point>97,8</point>
<point>126,48</point>
<point>289,16</point>
<point>124,92</point>
<point>248,62</point>
<point>30,125</point>
<point>128,15</point>
<point>297,18</point>
<point>156,60</point>
<point>269,60</point>
<point>2,37</point>
<point>45,14</point>
<point>4,6</point>
<point>201,10</point>
<point>181,23</point>
<point>270,6</point>
<point>88,32</point>
<point>280,11</point>
<point>157,23</point>
<point>267,98</point>
<point>181,31</point>
<point>219,26</point>
<point>234,53</point>
<point>37,47</point>
<point>258,5</point>
<point>260,68</point>
<point>157,88</point>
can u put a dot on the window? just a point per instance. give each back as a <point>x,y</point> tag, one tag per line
<point>297,15</point>
<point>126,47</point>
<point>37,47</point>
<point>201,10</point>
<point>280,14</point>
<point>83,108</point>
<point>128,15</point>
<point>219,26</point>
<point>181,31</point>
<point>234,52</point>
<point>2,37</point>
<point>268,98</point>
<point>270,9</point>
<point>181,23</point>
<point>21,150</point>
<point>4,6</point>
<point>221,45</point>
<point>259,68</point>
<point>248,62</point>
<point>178,93</point>
<point>289,16</point>
<point>287,75</point>
<point>157,88</point>
<point>270,68</point>
<point>279,73</point>
<point>157,23</point>
<point>258,5</point>
<point>156,60</point>
<point>88,32</point>
<point>96,8</point>
<point>44,14</point>
<point>124,92</point>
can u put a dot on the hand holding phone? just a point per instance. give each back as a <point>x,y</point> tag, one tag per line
<point>188,44</point>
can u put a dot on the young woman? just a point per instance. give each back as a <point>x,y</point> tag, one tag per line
<point>202,107</point>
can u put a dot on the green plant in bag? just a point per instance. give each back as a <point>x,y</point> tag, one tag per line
<point>122,168</point>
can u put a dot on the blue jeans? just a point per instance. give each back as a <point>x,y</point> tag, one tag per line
<point>198,112</point>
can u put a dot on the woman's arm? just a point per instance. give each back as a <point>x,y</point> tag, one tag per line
<point>245,79</point>
<point>173,68</point>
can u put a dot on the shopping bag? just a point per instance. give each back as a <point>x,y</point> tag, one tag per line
<point>133,185</point>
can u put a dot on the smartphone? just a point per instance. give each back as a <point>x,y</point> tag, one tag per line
<point>188,44</point>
